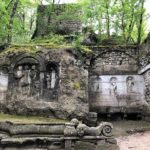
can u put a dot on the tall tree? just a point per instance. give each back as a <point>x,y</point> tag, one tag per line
<point>140,21</point>
<point>11,20</point>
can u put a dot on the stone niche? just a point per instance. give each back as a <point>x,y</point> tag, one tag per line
<point>30,77</point>
<point>43,84</point>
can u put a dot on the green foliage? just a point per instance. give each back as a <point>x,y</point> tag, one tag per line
<point>52,39</point>
<point>70,12</point>
<point>77,44</point>
<point>106,17</point>
<point>109,17</point>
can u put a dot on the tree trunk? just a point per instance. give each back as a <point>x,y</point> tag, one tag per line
<point>131,25</point>
<point>11,20</point>
<point>107,19</point>
<point>123,26</point>
<point>140,22</point>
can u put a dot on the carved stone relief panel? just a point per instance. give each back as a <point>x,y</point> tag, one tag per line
<point>118,91</point>
<point>28,81</point>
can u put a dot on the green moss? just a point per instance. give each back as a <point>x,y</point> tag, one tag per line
<point>51,39</point>
<point>19,48</point>
<point>28,119</point>
<point>77,86</point>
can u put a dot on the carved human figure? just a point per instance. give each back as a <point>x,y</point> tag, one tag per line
<point>96,84</point>
<point>27,79</point>
<point>41,82</point>
<point>48,81</point>
<point>19,75</point>
<point>53,78</point>
<point>130,84</point>
<point>113,86</point>
<point>34,78</point>
<point>33,73</point>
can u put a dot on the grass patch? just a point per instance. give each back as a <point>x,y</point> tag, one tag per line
<point>28,119</point>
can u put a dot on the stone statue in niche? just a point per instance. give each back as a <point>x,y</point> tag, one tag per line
<point>19,75</point>
<point>130,84</point>
<point>29,82</point>
<point>48,81</point>
<point>113,86</point>
<point>26,76</point>
<point>96,84</point>
<point>51,79</point>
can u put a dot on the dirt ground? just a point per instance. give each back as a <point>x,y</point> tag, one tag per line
<point>138,141</point>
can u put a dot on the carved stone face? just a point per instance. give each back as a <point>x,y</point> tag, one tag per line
<point>81,129</point>
<point>113,80</point>
<point>75,121</point>
<point>130,78</point>
<point>20,68</point>
<point>80,132</point>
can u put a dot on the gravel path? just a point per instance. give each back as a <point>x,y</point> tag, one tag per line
<point>139,141</point>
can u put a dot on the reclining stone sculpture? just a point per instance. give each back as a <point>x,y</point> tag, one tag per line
<point>77,128</point>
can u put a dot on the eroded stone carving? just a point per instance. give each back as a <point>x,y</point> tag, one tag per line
<point>29,82</point>
<point>25,79</point>
<point>76,127</point>
<point>113,86</point>
<point>96,84</point>
<point>130,84</point>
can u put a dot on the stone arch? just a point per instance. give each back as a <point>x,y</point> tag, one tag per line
<point>28,58</point>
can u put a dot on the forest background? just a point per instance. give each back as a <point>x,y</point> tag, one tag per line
<point>126,21</point>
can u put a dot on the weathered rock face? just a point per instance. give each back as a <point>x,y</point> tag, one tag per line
<point>47,83</point>
<point>147,85</point>
<point>115,85</point>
